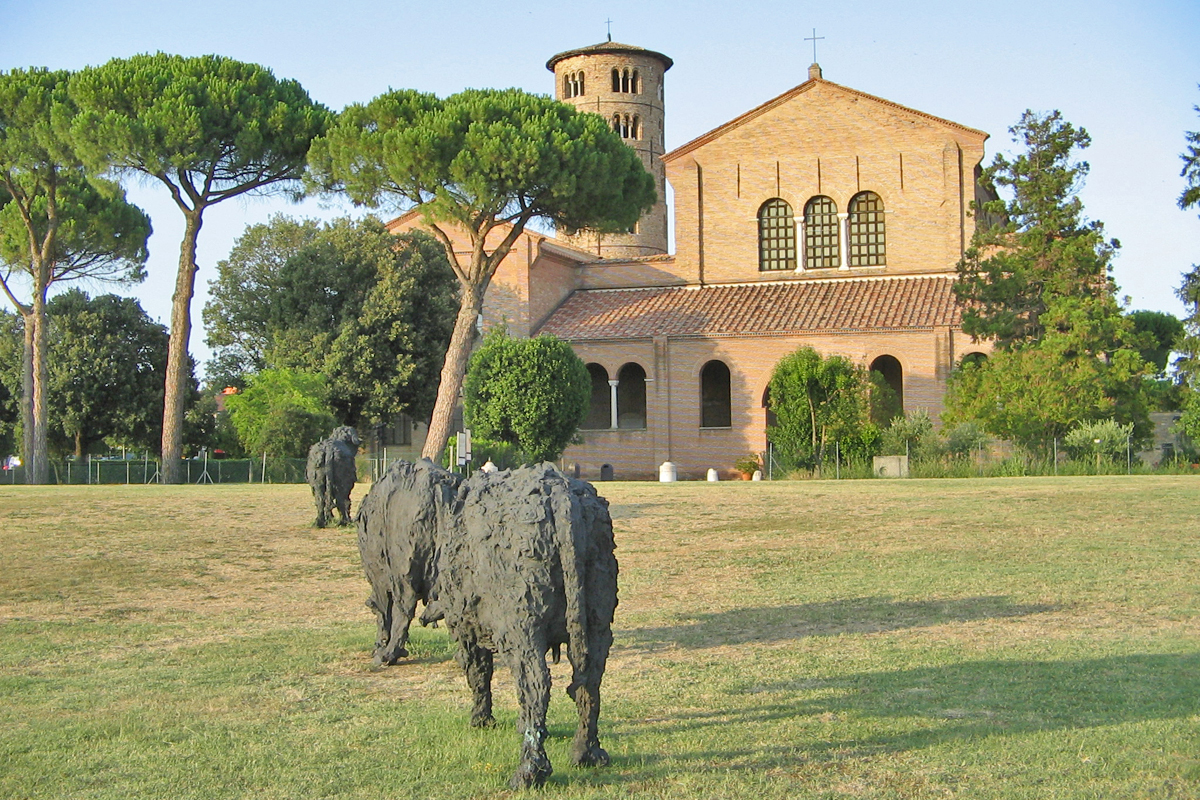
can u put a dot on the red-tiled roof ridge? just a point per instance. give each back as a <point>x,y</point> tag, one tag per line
<point>764,308</point>
<point>949,276</point>
<point>796,91</point>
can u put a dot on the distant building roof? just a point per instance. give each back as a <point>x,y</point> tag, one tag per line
<point>755,309</point>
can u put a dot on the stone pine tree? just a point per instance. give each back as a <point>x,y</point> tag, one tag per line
<point>55,225</point>
<point>209,129</point>
<point>487,162</point>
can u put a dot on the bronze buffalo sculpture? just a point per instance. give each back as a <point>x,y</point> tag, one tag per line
<point>517,563</point>
<point>331,473</point>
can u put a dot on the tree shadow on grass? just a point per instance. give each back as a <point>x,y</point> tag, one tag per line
<point>914,709</point>
<point>850,616</point>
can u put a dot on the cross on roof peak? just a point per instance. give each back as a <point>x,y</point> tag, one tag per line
<point>814,39</point>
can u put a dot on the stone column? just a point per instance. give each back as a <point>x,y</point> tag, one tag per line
<point>801,254</point>
<point>613,403</point>
<point>844,240</point>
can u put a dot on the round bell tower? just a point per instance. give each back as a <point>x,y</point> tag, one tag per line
<point>623,84</point>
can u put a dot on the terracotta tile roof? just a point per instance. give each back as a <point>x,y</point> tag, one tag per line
<point>779,307</point>
<point>609,47</point>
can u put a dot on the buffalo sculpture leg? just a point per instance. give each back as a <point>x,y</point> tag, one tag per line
<point>528,664</point>
<point>394,620</point>
<point>477,663</point>
<point>585,691</point>
<point>343,508</point>
<point>324,507</point>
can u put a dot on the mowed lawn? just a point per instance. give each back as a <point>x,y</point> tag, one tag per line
<point>1008,638</point>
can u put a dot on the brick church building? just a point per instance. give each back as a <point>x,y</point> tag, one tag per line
<point>824,217</point>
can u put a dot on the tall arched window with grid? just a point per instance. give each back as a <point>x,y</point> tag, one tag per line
<point>867,244</point>
<point>776,236</point>
<point>821,249</point>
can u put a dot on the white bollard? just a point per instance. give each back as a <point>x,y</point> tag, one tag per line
<point>757,476</point>
<point>488,466</point>
<point>666,472</point>
<point>712,475</point>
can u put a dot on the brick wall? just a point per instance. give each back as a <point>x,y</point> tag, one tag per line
<point>825,140</point>
<point>673,369</point>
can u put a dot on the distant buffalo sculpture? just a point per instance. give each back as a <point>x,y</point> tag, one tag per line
<point>331,474</point>
<point>517,563</point>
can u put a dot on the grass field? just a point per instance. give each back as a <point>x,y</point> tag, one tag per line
<point>1007,638</point>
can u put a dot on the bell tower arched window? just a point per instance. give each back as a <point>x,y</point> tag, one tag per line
<point>626,81</point>
<point>776,236</point>
<point>821,249</point>
<point>866,231</point>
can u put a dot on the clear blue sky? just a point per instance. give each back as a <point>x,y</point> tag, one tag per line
<point>1127,72</point>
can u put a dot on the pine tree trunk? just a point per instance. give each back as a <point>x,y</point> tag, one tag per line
<point>79,445</point>
<point>453,370</point>
<point>27,395</point>
<point>175,395</point>
<point>39,470</point>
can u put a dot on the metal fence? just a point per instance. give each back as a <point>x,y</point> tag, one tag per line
<point>196,470</point>
<point>135,471</point>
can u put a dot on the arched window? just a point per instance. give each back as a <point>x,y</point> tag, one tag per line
<point>617,124</point>
<point>772,420</point>
<point>616,76</point>
<point>599,415</point>
<point>634,84</point>
<point>633,130</point>
<point>866,231</point>
<point>892,376</point>
<point>776,236</point>
<point>715,396</point>
<point>631,397</point>
<point>821,234</point>
<point>573,84</point>
<point>973,360</point>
